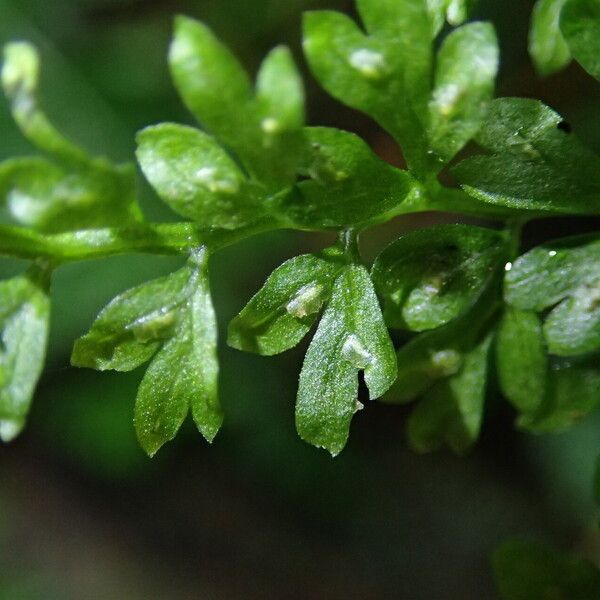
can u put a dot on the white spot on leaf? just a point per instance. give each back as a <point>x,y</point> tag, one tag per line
<point>208,177</point>
<point>270,125</point>
<point>369,63</point>
<point>355,353</point>
<point>307,301</point>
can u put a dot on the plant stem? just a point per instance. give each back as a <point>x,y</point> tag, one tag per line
<point>349,242</point>
<point>164,238</point>
<point>514,229</point>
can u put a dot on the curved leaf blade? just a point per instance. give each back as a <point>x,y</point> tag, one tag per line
<point>349,186</point>
<point>184,373</point>
<point>573,391</point>
<point>431,276</point>
<point>20,80</point>
<point>452,410</point>
<point>24,325</point>
<point>282,312</point>
<point>580,24</point>
<point>521,360</point>
<point>547,46</point>
<point>129,330</point>
<point>549,273</point>
<point>573,327</point>
<point>529,146</point>
<point>211,81</point>
<point>565,276</point>
<point>388,82</point>
<point>467,64</point>
<point>195,176</point>
<point>351,337</point>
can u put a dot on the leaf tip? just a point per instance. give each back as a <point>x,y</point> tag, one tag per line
<point>151,444</point>
<point>209,424</point>
<point>21,67</point>
<point>10,429</point>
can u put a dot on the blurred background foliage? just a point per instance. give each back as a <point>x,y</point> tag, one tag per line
<point>83,512</point>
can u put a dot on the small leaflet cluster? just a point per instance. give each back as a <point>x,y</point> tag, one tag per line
<point>462,295</point>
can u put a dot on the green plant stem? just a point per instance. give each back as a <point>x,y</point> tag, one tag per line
<point>514,228</point>
<point>180,238</point>
<point>165,238</point>
<point>349,242</point>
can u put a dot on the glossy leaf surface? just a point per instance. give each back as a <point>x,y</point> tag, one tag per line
<point>282,312</point>
<point>24,325</point>
<point>351,337</point>
<point>183,375</point>
<point>349,185</point>
<point>263,125</point>
<point>466,68</point>
<point>529,145</point>
<point>196,177</point>
<point>389,82</point>
<point>563,276</point>
<point>440,353</point>
<point>127,333</point>
<point>430,276</point>
<point>172,319</point>
<point>580,24</point>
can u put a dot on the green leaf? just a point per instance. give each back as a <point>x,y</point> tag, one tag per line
<point>525,570</point>
<point>24,325</point>
<point>351,337</point>
<point>547,46</point>
<point>73,191</point>
<point>385,74</point>
<point>548,273</point>
<point>431,276</point>
<point>458,11</point>
<point>196,177</point>
<point>451,411</point>
<point>279,91</point>
<point>172,318</point>
<point>440,353</point>
<point>20,79</point>
<point>278,147</point>
<point>163,398</point>
<point>572,393</point>
<point>521,360</point>
<point>282,312</point>
<point>437,13</point>
<point>46,196</point>
<point>349,185</point>
<point>580,24</point>
<point>211,81</point>
<point>264,128</point>
<point>565,275</point>
<point>128,332</point>
<point>466,69</point>
<point>182,375</point>
<point>529,145</point>
<point>573,327</point>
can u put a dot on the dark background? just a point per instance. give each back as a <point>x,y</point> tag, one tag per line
<point>84,513</point>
